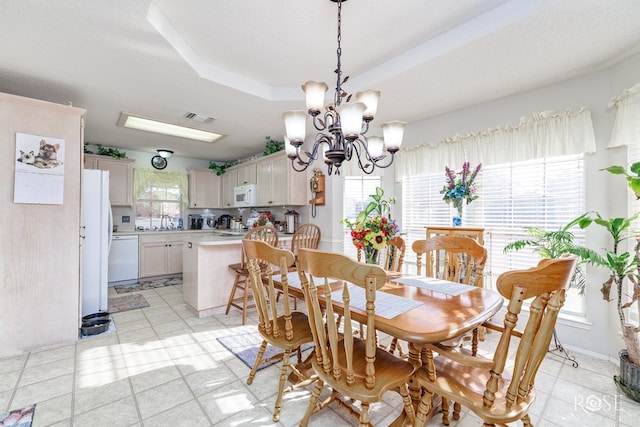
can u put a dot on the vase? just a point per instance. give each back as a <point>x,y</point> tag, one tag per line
<point>457,217</point>
<point>370,255</point>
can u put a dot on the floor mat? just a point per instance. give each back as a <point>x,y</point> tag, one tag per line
<point>143,285</point>
<point>18,417</point>
<point>245,345</point>
<point>126,303</point>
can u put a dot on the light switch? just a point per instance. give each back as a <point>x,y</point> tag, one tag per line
<point>126,219</point>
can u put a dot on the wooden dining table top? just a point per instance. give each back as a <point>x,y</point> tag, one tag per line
<point>439,317</point>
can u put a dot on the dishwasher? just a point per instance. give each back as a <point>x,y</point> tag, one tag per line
<point>123,258</point>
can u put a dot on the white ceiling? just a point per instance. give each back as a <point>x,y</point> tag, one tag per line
<point>243,61</point>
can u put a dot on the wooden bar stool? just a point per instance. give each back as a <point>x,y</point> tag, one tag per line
<point>241,290</point>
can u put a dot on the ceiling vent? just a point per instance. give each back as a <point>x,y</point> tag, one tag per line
<point>200,118</point>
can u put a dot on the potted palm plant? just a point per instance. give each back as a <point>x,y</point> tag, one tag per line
<point>553,244</point>
<point>624,268</point>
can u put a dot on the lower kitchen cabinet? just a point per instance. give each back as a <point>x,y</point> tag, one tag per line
<point>160,254</point>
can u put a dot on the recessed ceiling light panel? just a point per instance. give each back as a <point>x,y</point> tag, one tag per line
<point>157,126</point>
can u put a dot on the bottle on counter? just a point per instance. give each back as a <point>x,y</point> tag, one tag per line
<point>180,224</point>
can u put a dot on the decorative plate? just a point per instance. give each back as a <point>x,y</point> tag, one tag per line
<point>158,162</point>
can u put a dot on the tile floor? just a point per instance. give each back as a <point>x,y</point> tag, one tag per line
<point>164,367</point>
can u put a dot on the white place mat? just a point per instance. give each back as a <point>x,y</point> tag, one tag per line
<point>436,285</point>
<point>387,305</point>
<point>293,279</point>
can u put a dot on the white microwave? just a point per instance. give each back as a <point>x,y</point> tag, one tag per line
<point>245,196</point>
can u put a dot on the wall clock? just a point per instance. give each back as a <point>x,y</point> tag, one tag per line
<point>158,162</point>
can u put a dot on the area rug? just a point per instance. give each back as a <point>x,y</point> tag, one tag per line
<point>246,343</point>
<point>18,417</point>
<point>127,302</point>
<point>143,285</point>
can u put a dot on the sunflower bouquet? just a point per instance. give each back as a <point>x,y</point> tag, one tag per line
<point>371,233</point>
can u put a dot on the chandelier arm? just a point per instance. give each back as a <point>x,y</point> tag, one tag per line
<point>358,145</point>
<point>303,165</point>
<point>383,166</point>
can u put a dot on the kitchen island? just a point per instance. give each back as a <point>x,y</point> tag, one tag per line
<point>207,278</point>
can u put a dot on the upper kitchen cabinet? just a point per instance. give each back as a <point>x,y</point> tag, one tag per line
<point>204,189</point>
<point>120,177</point>
<point>242,174</point>
<point>278,183</point>
<point>246,173</point>
<point>229,181</point>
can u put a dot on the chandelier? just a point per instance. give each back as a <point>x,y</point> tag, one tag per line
<point>342,127</point>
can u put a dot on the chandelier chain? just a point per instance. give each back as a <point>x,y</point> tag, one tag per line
<point>338,95</point>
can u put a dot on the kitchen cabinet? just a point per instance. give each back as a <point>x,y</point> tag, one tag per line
<point>278,183</point>
<point>246,173</point>
<point>229,181</point>
<point>160,254</point>
<point>120,177</point>
<point>204,189</point>
<point>40,284</point>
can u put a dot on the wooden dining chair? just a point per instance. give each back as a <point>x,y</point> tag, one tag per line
<point>306,236</point>
<point>500,395</point>
<point>456,259</point>
<point>241,291</point>
<point>278,325</point>
<point>351,366</point>
<point>453,258</point>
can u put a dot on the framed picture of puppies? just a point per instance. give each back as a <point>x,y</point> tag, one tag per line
<point>39,176</point>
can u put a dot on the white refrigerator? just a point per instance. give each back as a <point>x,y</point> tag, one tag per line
<point>97,227</point>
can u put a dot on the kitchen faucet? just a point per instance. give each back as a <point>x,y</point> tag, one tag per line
<point>164,226</point>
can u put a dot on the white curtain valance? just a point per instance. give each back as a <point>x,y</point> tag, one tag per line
<point>143,178</point>
<point>626,127</point>
<point>540,135</point>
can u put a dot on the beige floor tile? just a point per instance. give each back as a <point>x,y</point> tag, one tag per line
<point>89,397</point>
<point>5,397</point>
<point>154,378</point>
<point>9,381</point>
<point>121,413</point>
<point>44,390</point>
<point>188,414</point>
<point>53,411</point>
<point>12,364</point>
<point>47,371</point>
<point>234,405</point>
<point>205,381</point>
<point>52,355</point>
<point>164,397</point>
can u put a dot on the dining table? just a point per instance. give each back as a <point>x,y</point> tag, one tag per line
<point>417,309</point>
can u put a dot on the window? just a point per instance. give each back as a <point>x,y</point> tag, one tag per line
<point>159,207</point>
<point>544,193</point>
<point>355,198</point>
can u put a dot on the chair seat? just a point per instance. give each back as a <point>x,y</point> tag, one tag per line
<point>453,377</point>
<point>386,379</point>
<point>300,324</point>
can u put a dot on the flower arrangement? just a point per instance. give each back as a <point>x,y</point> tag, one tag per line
<point>263,219</point>
<point>372,232</point>
<point>460,186</point>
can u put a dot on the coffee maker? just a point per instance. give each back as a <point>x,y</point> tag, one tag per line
<point>195,222</point>
<point>223,221</point>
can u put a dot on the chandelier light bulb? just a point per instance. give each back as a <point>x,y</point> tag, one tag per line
<point>393,133</point>
<point>315,92</point>
<point>351,119</point>
<point>375,145</point>
<point>370,99</point>
<point>295,126</point>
